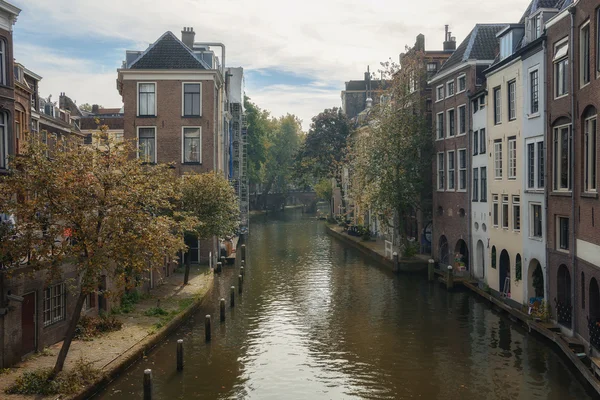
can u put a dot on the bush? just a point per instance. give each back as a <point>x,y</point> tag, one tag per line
<point>155,312</point>
<point>410,250</point>
<point>67,382</point>
<point>128,302</point>
<point>90,327</point>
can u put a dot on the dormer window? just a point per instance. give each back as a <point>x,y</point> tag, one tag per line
<point>506,45</point>
<point>536,27</point>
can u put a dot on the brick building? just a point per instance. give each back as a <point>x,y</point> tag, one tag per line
<point>8,141</point>
<point>455,141</point>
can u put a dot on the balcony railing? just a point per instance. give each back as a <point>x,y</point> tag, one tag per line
<point>594,330</point>
<point>563,313</point>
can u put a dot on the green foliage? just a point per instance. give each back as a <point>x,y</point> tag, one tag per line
<point>411,249</point>
<point>38,382</point>
<point>260,125</point>
<point>128,302</point>
<point>212,201</point>
<point>543,312</point>
<point>155,312</point>
<point>90,327</point>
<point>518,269</point>
<point>324,190</point>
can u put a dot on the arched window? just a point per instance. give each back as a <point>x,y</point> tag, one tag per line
<point>3,140</point>
<point>494,257</point>
<point>518,268</point>
<point>3,63</point>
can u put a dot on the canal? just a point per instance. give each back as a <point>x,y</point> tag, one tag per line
<point>318,321</point>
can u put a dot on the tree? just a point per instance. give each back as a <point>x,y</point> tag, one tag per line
<point>86,107</point>
<point>212,201</point>
<point>260,125</point>
<point>390,161</point>
<point>94,209</point>
<point>324,151</point>
<point>324,191</point>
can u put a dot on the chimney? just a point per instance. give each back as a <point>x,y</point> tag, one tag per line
<point>187,36</point>
<point>95,109</point>
<point>449,41</point>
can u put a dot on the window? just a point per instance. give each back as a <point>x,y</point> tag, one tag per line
<point>536,221</point>
<point>563,233</point>
<point>450,89</point>
<point>451,123</point>
<point>441,178</point>
<point>534,95</point>
<point>440,125</point>
<point>147,144</point>
<point>475,143</point>
<point>598,40</point>
<point>584,55</point>
<point>516,201</point>
<point>505,211</point>
<point>191,99</point>
<point>590,154</point>
<point>451,169</point>
<point>462,169</point>
<point>3,140</point>
<point>483,176</point>
<point>3,58</point>
<point>475,104</point>
<point>531,165</point>
<point>192,146</point>
<point>494,257</point>
<point>541,154</point>
<point>440,93</point>
<point>536,27</point>
<point>497,106</point>
<point>431,67</point>
<point>512,157</point>
<point>147,99</point>
<point>506,45</point>
<point>498,159</point>
<point>512,102</point>
<point>562,158</point>
<point>495,210</point>
<point>561,70</point>
<point>54,304</point>
<point>462,120</point>
<point>482,143</point>
<point>462,83</point>
<point>482,102</point>
<point>475,189</point>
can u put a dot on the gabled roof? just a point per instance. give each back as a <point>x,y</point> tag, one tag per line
<point>168,52</point>
<point>538,4</point>
<point>480,44</point>
<point>362,85</point>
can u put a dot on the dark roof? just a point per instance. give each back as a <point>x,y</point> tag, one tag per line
<point>362,85</point>
<point>537,4</point>
<point>66,103</point>
<point>480,44</point>
<point>168,52</point>
<point>115,122</point>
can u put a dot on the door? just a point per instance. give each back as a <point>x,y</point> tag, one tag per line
<point>193,248</point>
<point>28,324</point>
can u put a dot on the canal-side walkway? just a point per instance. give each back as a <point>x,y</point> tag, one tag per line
<point>113,352</point>
<point>376,250</point>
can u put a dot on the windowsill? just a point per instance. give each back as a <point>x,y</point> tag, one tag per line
<point>584,85</point>
<point>439,139</point>
<point>474,201</point>
<point>512,178</point>
<point>462,134</point>
<point>561,193</point>
<point>532,116</point>
<point>461,190</point>
<point>512,119</point>
<point>450,136</point>
<point>498,179</point>
<point>191,163</point>
<point>460,91</point>
<point>191,116</point>
<point>497,123</point>
<point>565,251</point>
<point>517,232</point>
<point>146,116</point>
<point>536,238</point>
<point>561,96</point>
<point>438,100</point>
<point>590,195</point>
<point>449,96</point>
<point>534,191</point>
<point>441,190</point>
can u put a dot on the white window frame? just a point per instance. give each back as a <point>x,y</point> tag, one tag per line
<point>475,143</point>
<point>183,99</point>
<point>137,95</point>
<point>534,166</point>
<point>512,100</point>
<point>462,77</point>
<point>532,221</point>
<point>505,212</point>
<point>495,211</point>
<point>506,45</point>
<point>462,180</point>
<point>448,94</point>
<point>440,134</point>
<point>532,71</point>
<point>497,91</point>
<point>439,95</point>
<point>558,234</point>
<point>557,155</point>
<point>183,128</point>
<point>516,205</point>
<point>441,170</point>
<point>464,132</point>
<point>451,174</point>
<point>582,77</point>
<point>137,152</point>
<point>448,124</point>
<point>498,173</point>
<point>512,157</point>
<point>475,188</point>
<point>482,142</point>
<point>590,178</point>
<point>483,187</point>
<point>53,302</point>
<point>557,60</point>
<point>3,63</point>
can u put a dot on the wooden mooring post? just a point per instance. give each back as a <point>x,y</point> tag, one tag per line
<point>147,384</point>
<point>207,333</point>
<point>219,267</point>
<point>242,270</point>
<point>180,355</point>
<point>450,278</point>
<point>396,262</point>
<point>430,270</point>
<point>232,297</point>
<point>243,252</point>
<point>223,261</point>
<point>240,281</point>
<point>222,309</point>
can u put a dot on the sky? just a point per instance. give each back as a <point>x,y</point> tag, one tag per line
<point>296,55</point>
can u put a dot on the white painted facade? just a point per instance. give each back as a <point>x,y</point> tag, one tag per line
<point>479,202</point>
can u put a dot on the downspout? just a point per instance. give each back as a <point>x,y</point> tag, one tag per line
<point>546,181</point>
<point>469,183</point>
<point>572,10</point>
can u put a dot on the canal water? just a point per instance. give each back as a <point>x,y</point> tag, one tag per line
<point>318,321</point>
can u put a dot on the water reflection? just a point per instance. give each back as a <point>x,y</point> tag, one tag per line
<point>318,321</point>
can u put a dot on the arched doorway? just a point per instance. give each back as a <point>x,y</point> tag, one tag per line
<point>443,254</point>
<point>480,259</point>
<point>563,296</point>
<point>504,273</point>
<point>535,280</point>
<point>461,254</point>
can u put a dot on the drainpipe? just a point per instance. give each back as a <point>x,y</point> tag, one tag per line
<point>469,156</point>
<point>572,10</point>
<point>546,180</point>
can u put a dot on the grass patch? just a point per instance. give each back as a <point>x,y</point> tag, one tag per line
<point>90,327</point>
<point>185,303</point>
<point>5,371</point>
<point>155,312</point>
<point>67,382</point>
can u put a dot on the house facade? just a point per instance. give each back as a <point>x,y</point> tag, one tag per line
<point>8,141</point>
